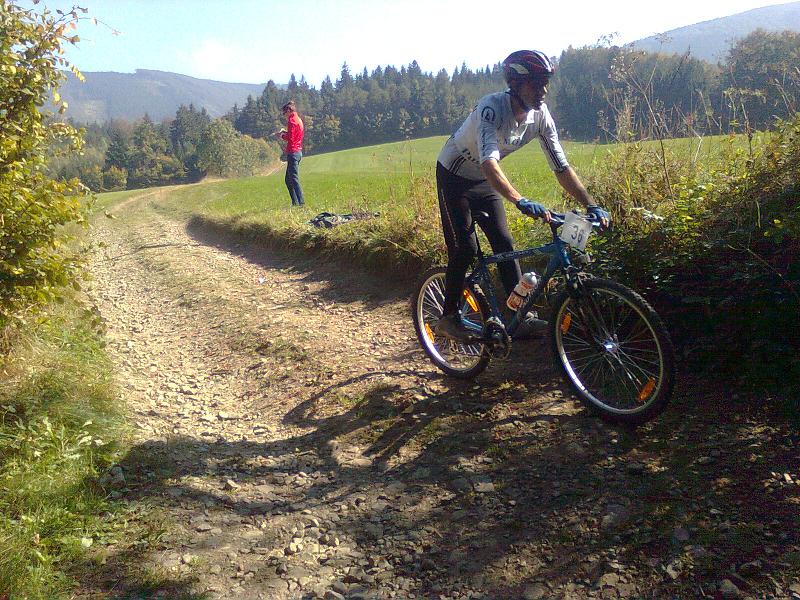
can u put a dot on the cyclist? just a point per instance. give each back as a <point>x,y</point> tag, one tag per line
<point>469,178</point>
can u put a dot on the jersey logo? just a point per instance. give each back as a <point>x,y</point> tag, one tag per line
<point>488,114</point>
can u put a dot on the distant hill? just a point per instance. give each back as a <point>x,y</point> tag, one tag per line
<point>129,96</point>
<point>710,40</point>
<point>106,95</point>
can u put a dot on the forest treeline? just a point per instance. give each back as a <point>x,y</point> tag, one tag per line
<point>599,93</point>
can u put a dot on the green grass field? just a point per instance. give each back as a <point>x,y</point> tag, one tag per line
<point>396,180</point>
<point>375,178</point>
<point>382,178</point>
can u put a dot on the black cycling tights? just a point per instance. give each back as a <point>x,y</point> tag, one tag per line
<point>458,197</point>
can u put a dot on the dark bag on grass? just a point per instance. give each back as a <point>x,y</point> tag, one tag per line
<point>331,220</point>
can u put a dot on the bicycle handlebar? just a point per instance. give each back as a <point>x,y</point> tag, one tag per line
<point>557,219</point>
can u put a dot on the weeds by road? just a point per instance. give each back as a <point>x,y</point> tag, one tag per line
<point>61,428</point>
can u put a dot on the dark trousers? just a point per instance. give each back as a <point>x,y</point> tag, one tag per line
<point>458,197</point>
<point>293,178</point>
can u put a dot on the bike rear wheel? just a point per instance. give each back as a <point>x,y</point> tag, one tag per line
<point>614,350</point>
<point>464,361</point>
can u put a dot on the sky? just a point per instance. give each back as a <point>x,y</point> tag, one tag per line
<point>253,41</point>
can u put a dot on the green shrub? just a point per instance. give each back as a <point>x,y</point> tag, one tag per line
<point>656,201</point>
<point>224,152</point>
<point>35,259</point>
<point>115,179</point>
<point>717,252</point>
<point>92,178</point>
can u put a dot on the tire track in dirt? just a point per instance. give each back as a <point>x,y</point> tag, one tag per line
<point>299,444</point>
<point>230,368</point>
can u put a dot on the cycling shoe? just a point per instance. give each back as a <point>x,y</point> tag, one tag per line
<point>531,327</point>
<point>454,328</point>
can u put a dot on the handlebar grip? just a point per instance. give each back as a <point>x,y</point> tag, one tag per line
<point>559,218</point>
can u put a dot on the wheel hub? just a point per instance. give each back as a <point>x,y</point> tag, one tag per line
<point>611,347</point>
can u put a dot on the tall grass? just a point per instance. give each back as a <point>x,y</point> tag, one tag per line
<point>59,426</point>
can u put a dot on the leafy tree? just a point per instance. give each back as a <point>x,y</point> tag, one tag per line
<point>148,163</point>
<point>604,91</point>
<point>225,152</point>
<point>216,147</point>
<point>345,78</point>
<point>118,152</point>
<point>185,132</point>
<point>35,260</point>
<point>92,178</point>
<point>761,78</point>
<point>147,138</point>
<point>328,130</point>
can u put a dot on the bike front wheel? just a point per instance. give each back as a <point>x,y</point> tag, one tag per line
<point>464,361</point>
<point>614,350</point>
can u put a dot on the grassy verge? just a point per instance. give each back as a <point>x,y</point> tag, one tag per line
<point>394,180</point>
<point>393,183</point>
<point>60,426</point>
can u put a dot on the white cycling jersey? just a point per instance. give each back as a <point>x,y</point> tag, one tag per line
<point>492,131</point>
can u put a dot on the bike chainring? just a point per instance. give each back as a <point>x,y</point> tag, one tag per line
<point>498,343</point>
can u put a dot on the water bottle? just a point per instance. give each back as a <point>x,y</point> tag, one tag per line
<point>524,287</point>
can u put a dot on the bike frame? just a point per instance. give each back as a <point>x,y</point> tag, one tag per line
<point>559,260</point>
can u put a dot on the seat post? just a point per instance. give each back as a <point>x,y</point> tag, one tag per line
<point>475,216</point>
<point>477,243</point>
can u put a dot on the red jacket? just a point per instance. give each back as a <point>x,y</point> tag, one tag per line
<point>294,134</point>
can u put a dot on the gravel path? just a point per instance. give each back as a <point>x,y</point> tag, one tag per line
<point>299,445</point>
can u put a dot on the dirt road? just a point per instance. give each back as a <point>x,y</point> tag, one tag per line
<point>299,445</point>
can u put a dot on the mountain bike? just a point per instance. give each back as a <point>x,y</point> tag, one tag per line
<point>609,343</point>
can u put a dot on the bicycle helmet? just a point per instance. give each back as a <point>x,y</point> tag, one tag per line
<point>526,64</point>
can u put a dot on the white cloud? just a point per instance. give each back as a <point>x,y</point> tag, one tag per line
<point>222,61</point>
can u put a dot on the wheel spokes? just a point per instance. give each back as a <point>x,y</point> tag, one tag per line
<point>431,306</point>
<point>610,350</point>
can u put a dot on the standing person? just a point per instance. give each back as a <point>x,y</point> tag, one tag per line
<point>293,136</point>
<point>469,177</point>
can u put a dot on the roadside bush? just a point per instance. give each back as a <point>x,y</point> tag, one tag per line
<point>66,165</point>
<point>717,251</point>
<point>224,152</point>
<point>657,203</point>
<point>35,257</point>
<point>751,267</point>
<point>93,178</point>
<point>115,179</point>
<point>151,170</point>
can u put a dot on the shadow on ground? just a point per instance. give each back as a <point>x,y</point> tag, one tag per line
<point>504,486</point>
<point>500,485</point>
<point>353,283</point>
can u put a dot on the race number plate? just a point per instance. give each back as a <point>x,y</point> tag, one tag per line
<point>575,230</point>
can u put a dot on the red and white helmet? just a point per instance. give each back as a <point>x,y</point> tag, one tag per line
<point>527,64</point>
